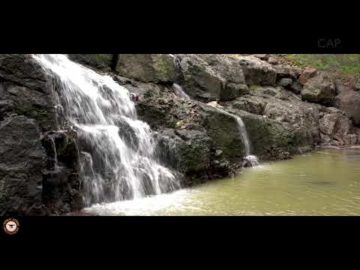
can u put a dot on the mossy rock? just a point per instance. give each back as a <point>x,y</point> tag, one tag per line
<point>156,68</point>
<point>98,61</point>
<point>225,135</point>
<point>165,67</point>
<point>269,139</point>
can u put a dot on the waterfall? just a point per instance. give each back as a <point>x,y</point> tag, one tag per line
<point>117,150</point>
<point>249,159</point>
<point>54,159</point>
<point>243,133</point>
<point>179,91</point>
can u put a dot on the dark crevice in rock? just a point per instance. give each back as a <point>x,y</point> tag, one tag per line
<point>114,62</point>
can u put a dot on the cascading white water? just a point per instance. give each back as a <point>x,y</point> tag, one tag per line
<point>118,150</point>
<point>179,91</point>
<point>243,132</point>
<point>249,159</point>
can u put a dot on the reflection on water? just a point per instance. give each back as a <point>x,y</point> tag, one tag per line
<point>326,182</point>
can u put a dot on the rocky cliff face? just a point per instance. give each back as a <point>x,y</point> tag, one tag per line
<point>286,111</point>
<point>38,160</point>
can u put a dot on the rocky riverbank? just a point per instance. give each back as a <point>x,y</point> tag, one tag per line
<point>286,110</point>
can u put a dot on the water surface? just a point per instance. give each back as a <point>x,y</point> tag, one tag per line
<point>325,182</point>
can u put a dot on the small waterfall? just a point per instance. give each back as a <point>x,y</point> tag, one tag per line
<point>55,157</point>
<point>249,159</point>
<point>118,150</point>
<point>179,91</point>
<point>243,132</point>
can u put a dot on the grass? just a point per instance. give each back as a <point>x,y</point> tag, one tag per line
<point>346,66</point>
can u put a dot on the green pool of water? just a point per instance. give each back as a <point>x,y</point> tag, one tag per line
<point>325,182</point>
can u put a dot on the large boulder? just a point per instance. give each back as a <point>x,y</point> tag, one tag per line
<point>193,154</point>
<point>269,140</point>
<point>348,101</point>
<point>230,70</point>
<point>251,104</point>
<point>284,113</point>
<point>257,72</point>
<point>156,68</point>
<point>319,89</point>
<point>159,106</point>
<point>210,77</point>
<point>98,61</point>
<point>336,128</point>
<point>187,151</point>
<point>286,71</point>
<point>223,129</point>
<point>286,82</point>
<point>200,81</point>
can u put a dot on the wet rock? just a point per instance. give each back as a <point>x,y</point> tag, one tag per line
<point>349,102</point>
<point>156,68</point>
<point>230,142</point>
<point>33,155</point>
<point>161,108</point>
<point>296,118</point>
<point>98,61</point>
<point>250,161</point>
<point>251,104</point>
<point>127,133</point>
<point>357,87</point>
<point>200,80</point>
<point>350,139</point>
<point>228,69</point>
<point>233,90</point>
<point>218,153</point>
<point>286,82</point>
<point>26,90</point>
<point>336,128</point>
<point>22,160</point>
<point>285,71</point>
<point>191,153</point>
<point>25,101</point>
<point>187,151</point>
<point>264,91</point>
<point>61,179</point>
<point>319,89</point>
<point>195,152</point>
<point>257,72</point>
<point>22,70</point>
<point>269,139</point>
<point>296,88</point>
<point>327,123</point>
<point>307,74</point>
